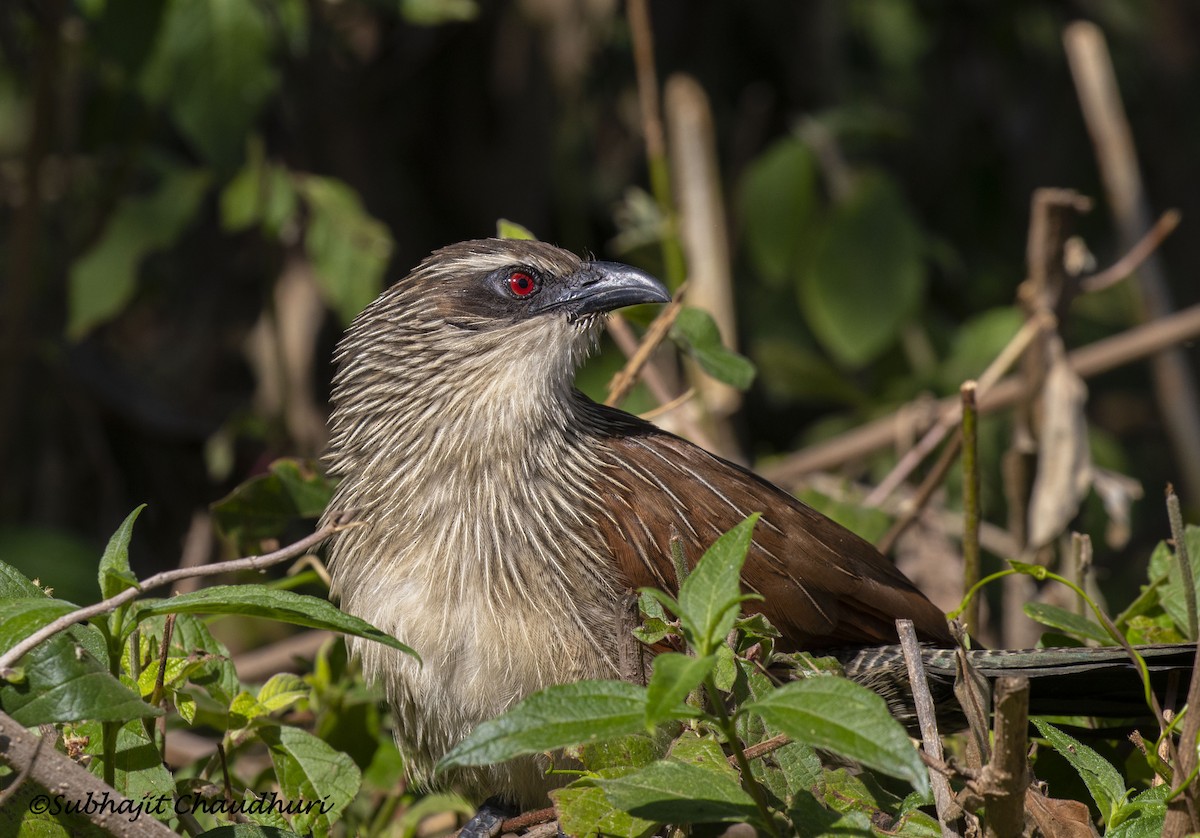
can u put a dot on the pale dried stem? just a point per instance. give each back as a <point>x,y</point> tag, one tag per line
<point>11,656</point>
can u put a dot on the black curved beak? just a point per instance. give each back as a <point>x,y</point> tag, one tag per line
<point>600,287</point>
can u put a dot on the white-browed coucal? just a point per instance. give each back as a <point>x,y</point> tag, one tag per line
<point>504,516</point>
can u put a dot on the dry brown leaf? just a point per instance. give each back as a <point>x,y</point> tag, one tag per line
<point>1064,461</point>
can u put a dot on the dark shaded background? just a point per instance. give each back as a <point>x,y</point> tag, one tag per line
<point>527,112</point>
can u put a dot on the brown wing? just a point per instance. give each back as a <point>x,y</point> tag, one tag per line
<point>823,586</point>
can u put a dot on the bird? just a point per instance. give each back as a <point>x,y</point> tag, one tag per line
<point>502,517</point>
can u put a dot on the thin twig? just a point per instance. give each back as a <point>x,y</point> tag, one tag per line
<point>1099,95</point>
<point>950,417</point>
<point>642,35</point>
<point>675,403</point>
<point>1175,516</point>
<point>764,747</point>
<point>924,492</point>
<point>943,797</point>
<point>14,654</point>
<point>1087,361</point>
<point>627,341</point>
<point>528,819</point>
<point>971,514</point>
<point>1135,256</point>
<point>623,381</point>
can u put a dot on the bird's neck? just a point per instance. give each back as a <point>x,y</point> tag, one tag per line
<point>461,414</point>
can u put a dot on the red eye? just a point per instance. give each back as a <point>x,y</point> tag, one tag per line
<point>521,284</point>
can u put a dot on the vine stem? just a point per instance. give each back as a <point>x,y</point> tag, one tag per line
<point>729,728</point>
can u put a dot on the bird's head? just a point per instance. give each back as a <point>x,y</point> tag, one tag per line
<point>492,324</point>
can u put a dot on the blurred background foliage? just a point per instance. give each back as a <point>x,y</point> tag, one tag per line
<point>197,195</point>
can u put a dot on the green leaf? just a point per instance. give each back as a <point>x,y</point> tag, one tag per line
<point>670,791</point>
<point>1165,565</point>
<point>675,676</point>
<point>697,333</point>
<point>115,574</point>
<point>1103,781</point>
<point>349,250</point>
<point>506,229</point>
<point>1143,816</point>
<point>265,506</point>
<point>976,343</point>
<point>710,596</point>
<point>102,281</point>
<point>282,691</point>
<point>866,275</point>
<point>212,71</point>
<point>436,12</point>
<point>1066,621</point>
<point>584,811</point>
<point>779,199</point>
<point>137,765</point>
<point>311,772</point>
<point>65,683</point>
<point>272,604</point>
<point>22,616</point>
<point>249,830</point>
<point>628,752</point>
<point>847,719</point>
<point>261,194</point>
<point>557,717</point>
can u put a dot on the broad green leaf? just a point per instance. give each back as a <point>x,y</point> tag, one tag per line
<point>177,670</point>
<point>64,683</point>
<point>704,751</point>
<point>557,717</point>
<point>1103,781</point>
<point>261,813</point>
<point>115,574</point>
<point>779,200</point>
<point>506,229</point>
<point>137,764</point>
<point>212,71</point>
<point>349,249</point>
<point>696,331</point>
<point>710,596</point>
<point>675,676</point>
<point>282,691</point>
<point>1143,816</point>
<point>264,506</point>
<point>103,280</point>
<point>790,371</point>
<point>311,772</point>
<point>249,830</point>
<point>15,585</point>
<point>261,194</point>
<point>866,275</point>
<point>272,604</point>
<point>669,791</point>
<point>1164,565</point>
<point>632,751</point>
<point>847,719</point>
<point>1066,621</point>
<point>585,811</point>
<point>437,12</point>
<point>22,616</point>
<point>976,343</point>
<point>244,709</point>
